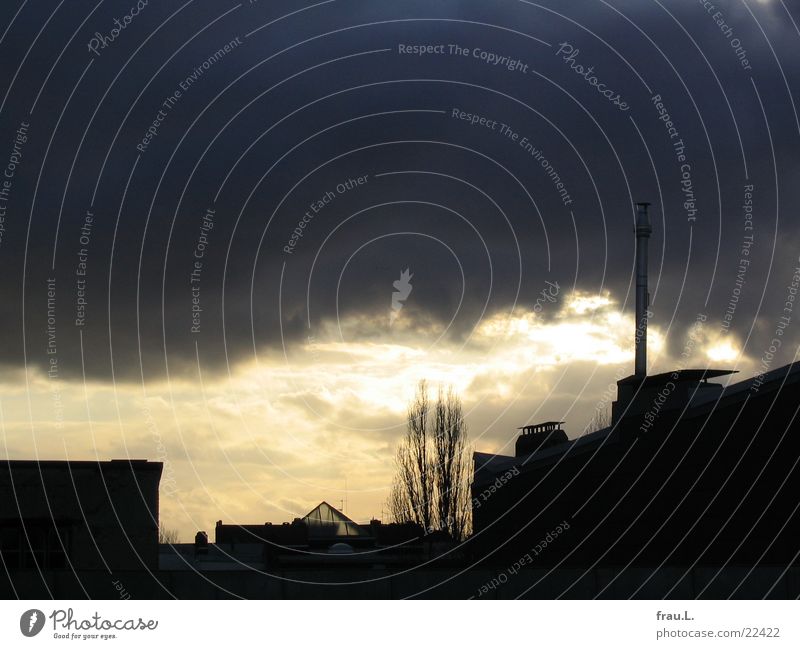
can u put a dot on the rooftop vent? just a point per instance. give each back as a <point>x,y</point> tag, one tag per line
<point>537,437</point>
<point>201,543</point>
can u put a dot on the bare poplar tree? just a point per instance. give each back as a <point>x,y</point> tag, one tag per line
<point>452,464</point>
<point>411,498</point>
<point>431,486</point>
<point>600,420</point>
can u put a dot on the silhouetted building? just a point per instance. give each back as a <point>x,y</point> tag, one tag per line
<point>72,516</point>
<point>325,538</point>
<point>539,436</point>
<point>705,476</point>
<point>690,475</point>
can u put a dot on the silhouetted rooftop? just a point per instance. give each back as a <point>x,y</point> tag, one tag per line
<point>677,375</point>
<point>82,464</point>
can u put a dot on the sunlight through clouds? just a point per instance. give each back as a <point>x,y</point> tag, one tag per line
<point>330,410</point>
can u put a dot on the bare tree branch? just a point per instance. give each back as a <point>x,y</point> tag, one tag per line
<point>167,535</point>
<point>600,420</point>
<point>431,486</point>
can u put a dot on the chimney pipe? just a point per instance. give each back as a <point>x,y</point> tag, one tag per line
<point>643,230</point>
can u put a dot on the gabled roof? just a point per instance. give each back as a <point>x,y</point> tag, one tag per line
<point>326,522</point>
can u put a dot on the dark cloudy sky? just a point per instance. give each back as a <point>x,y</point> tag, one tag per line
<point>294,373</point>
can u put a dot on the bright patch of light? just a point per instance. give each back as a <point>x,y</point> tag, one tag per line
<point>375,369</point>
<point>582,303</point>
<point>588,328</point>
<point>291,424</point>
<point>723,351</point>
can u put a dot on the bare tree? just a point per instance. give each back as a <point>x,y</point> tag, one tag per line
<point>451,471</point>
<point>431,486</point>
<point>167,535</point>
<point>600,420</point>
<point>411,498</point>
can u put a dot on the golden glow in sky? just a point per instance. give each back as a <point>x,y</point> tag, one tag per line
<point>285,431</point>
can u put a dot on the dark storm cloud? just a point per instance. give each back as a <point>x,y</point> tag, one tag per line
<point>473,197</point>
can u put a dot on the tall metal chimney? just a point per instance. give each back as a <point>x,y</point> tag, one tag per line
<point>643,231</point>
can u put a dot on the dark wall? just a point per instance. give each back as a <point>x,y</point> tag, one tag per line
<point>608,583</point>
<point>713,488</point>
<point>79,515</point>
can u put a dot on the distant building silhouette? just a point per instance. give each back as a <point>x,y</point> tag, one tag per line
<point>690,475</point>
<point>712,480</point>
<point>323,539</point>
<point>76,516</point>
